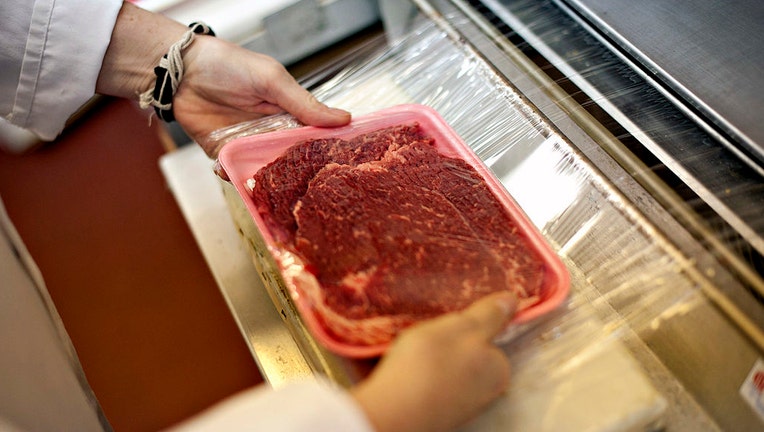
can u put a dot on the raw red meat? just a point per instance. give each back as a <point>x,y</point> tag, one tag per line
<point>393,231</point>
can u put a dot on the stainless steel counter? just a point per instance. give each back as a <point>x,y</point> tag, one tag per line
<point>199,193</point>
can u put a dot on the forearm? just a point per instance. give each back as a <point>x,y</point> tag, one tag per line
<point>140,38</point>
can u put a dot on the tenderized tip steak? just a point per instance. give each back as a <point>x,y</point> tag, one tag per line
<point>393,231</point>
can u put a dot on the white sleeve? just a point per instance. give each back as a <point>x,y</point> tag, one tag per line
<point>50,57</point>
<point>297,407</point>
<point>42,384</point>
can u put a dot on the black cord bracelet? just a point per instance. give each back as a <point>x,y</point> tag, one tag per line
<point>169,73</point>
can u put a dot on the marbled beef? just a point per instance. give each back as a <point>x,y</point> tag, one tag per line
<point>393,231</point>
<point>280,184</point>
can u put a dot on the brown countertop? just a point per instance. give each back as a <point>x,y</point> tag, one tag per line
<point>152,330</point>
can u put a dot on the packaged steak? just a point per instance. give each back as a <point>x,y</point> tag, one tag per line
<point>387,222</point>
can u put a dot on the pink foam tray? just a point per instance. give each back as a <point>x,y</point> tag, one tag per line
<point>243,157</point>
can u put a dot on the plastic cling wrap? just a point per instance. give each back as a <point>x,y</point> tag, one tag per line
<point>386,222</point>
<point>624,276</point>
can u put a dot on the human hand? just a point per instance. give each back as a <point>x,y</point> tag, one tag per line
<point>439,374</point>
<point>225,84</point>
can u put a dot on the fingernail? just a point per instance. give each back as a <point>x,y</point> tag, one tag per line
<point>508,303</point>
<point>341,112</point>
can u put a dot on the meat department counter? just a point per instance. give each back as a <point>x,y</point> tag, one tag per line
<point>631,137</point>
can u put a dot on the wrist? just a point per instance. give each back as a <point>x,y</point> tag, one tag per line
<point>169,74</point>
<point>139,40</point>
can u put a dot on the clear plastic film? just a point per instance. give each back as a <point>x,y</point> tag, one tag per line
<point>221,137</point>
<point>625,278</point>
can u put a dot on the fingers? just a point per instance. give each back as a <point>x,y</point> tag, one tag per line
<point>312,112</point>
<point>299,102</point>
<point>489,315</point>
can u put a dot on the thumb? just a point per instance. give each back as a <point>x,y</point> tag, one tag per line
<point>489,315</point>
<point>299,102</point>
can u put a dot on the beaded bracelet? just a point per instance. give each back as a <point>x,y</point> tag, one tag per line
<point>169,73</point>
